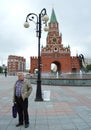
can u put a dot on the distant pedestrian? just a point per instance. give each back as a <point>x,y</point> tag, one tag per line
<point>5,73</point>
<point>22,90</point>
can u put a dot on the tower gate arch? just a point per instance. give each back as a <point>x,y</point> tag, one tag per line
<point>56,66</point>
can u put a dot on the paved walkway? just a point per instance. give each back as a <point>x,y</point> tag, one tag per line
<point>69,108</point>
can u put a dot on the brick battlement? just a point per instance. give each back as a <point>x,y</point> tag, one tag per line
<point>34,57</point>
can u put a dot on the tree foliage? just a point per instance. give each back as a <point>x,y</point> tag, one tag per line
<point>88,67</point>
<point>1,69</point>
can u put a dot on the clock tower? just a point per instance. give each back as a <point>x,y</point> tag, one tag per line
<point>53,36</point>
<point>55,52</point>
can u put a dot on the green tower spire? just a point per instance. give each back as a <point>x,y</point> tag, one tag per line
<point>53,17</point>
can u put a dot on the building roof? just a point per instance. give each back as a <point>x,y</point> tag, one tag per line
<point>53,17</point>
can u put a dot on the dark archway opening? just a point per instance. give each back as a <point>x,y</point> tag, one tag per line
<point>55,67</point>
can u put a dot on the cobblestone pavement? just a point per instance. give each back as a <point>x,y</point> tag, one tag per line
<point>69,108</point>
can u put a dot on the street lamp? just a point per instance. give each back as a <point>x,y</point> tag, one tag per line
<point>39,18</point>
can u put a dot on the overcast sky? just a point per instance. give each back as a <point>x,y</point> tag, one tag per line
<point>74,17</point>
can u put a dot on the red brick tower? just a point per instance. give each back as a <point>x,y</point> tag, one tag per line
<point>34,64</point>
<point>54,52</point>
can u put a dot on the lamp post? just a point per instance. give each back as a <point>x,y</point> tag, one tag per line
<point>39,18</point>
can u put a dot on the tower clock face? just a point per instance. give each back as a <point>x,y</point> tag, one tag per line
<point>54,39</point>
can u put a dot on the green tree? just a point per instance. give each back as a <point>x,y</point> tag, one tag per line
<point>1,69</point>
<point>88,67</point>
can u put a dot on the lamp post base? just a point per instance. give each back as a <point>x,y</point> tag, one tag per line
<point>38,92</point>
<point>39,99</point>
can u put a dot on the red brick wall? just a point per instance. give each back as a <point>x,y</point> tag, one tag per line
<point>65,64</point>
